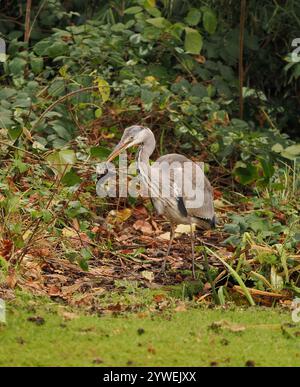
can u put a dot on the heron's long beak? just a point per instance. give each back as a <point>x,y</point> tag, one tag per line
<point>118,149</point>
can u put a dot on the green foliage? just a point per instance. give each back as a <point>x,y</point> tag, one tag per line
<point>193,41</point>
<point>120,56</point>
<point>172,65</point>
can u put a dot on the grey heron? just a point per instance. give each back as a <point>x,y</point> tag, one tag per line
<point>173,207</point>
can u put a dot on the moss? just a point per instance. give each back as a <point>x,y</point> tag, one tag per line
<point>43,334</point>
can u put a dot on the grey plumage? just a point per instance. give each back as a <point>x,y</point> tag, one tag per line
<point>175,207</point>
<point>204,215</point>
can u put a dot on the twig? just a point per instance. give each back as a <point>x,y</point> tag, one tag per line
<point>21,150</point>
<point>36,16</point>
<point>27,21</point>
<point>241,55</point>
<point>262,293</point>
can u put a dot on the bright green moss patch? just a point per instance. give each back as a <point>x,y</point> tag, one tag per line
<point>50,335</point>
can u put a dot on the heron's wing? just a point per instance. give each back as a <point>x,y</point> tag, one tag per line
<point>173,157</point>
<point>198,205</point>
<point>206,210</point>
<point>168,196</point>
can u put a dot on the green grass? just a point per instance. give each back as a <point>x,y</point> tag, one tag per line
<point>171,339</point>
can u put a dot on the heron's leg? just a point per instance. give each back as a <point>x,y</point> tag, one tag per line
<point>193,251</point>
<point>172,234</point>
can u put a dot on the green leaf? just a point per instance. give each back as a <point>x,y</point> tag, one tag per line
<point>71,178</point>
<point>294,149</point>
<point>7,92</point>
<point>267,167</point>
<point>41,47</point>
<point>193,41</point>
<point>277,148</point>
<point>14,132</point>
<point>133,10</point>
<point>100,152</point>
<point>104,89</point>
<point>57,49</point>
<point>193,17</point>
<point>61,161</point>
<point>232,228</point>
<point>221,295</point>
<point>57,88</point>
<point>151,9</point>
<point>58,143</point>
<point>62,132</point>
<point>98,113</point>
<point>86,254</point>
<point>22,167</point>
<point>118,27</point>
<point>63,71</point>
<point>198,90</point>
<point>159,22</point>
<point>46,215</point>
<point>17,66</point>
<point>147,96</point>
<point>209,21</point>
<point>245,173</point>
<point>36,64</point>
<point>150,3</point>
<point>6,119</point>
<point>83,264</point>
<point>291,152</point>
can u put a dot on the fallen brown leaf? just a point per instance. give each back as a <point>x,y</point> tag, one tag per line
<point>143,226</point>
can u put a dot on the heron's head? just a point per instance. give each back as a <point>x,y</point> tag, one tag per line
<point>132,136</point>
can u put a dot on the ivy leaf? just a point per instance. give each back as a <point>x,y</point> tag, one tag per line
<point>14,132</point>
<point>61,161</point>
<point>245,173</point>
<point>100,152</point>
<point>193,41</point>
<point>22,167</point>
<point>71,178</point>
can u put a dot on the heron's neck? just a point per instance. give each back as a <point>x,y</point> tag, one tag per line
<point>142,157</point>
<point>145,151</point>
<point>143,164</point>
